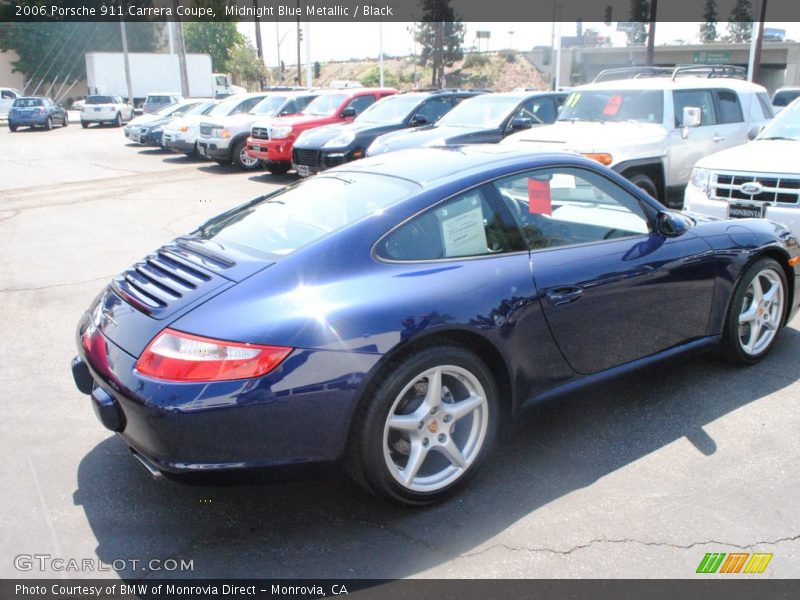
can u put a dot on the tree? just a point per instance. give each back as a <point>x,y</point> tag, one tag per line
<point>440,36</point>
<point>217,39</point>
<point>640,15</point>
<point>372,78</point>
<point>54,52</point>
<point>708,29</point>
<point>245,63</point>
<point>740,26</point>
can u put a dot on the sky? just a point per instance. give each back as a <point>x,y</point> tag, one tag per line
<point>344,40</point>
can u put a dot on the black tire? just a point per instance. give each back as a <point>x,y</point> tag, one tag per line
<point>732,348</point>
<point>643,182</point>
<point>84,124</point>
<point>193,153</point>
<point>277,168</point>
<point>366,460</point>
<point>48,125</point>
<point>66,120</point>
<point>222,163</point>
<point>12,128</point>
<point>118,120</point>
<point>238,159</point>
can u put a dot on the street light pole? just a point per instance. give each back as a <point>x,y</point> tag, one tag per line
<point>124,35</point>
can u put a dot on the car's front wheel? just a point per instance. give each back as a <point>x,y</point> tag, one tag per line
<point>242,159</point>
<point>424,428</point>
<point>118,120</point>
<point>756,313</point>
<point>84,124</point>
<point>12,128</point>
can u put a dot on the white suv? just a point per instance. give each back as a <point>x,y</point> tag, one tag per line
<point>105,109</point>
<point>653,128</point>
<point>760,179</point>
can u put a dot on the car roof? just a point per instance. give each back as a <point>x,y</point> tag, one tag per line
<point>440,164</point>
<point>667,83</point>
<point>521,95</point>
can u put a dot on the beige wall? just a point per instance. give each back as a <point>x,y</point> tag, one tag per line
<point>7,78</point>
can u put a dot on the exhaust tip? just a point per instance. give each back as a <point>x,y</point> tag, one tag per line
<point>152,470</point>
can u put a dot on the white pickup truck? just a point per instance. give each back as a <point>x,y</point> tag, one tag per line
<point>654,127</point>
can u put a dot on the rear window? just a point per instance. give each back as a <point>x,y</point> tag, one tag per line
<point>784,97</point>
<point>99,100</point>
<point>159,100</point>
<point>302,213</point>
<point>27,102</point>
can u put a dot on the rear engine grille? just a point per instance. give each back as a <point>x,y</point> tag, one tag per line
<point>775,188</point>
<point>260,133</point>
<point>176,272</point>
<point>309,158</point>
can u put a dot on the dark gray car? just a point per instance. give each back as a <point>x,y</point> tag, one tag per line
<point>484,119</point>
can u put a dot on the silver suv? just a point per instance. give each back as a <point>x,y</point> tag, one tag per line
<point>653,125</point>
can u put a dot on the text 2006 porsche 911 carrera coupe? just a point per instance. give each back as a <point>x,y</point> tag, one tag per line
<point>393,312</point>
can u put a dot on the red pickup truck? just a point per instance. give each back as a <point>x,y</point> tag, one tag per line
<point>272,140</point>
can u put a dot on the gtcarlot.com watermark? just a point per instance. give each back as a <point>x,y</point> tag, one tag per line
<point>49,563</point>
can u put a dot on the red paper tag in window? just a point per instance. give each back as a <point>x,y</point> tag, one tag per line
<point>539,197</point>
<point>612,106</point>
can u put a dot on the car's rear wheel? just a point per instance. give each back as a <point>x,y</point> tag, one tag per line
<point>643,182</point>
<point>48,125</point>
<point>118,120</point>
<point>423,429</point>
<point>756,313</point>
<point>277,168</point>
<point>242,159</point>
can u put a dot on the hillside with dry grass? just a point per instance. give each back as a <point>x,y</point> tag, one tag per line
<point>499,71</point>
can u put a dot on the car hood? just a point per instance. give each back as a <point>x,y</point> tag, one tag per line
<point>427,136</point>
<point>304,120</point>
<point>590,136</point>
<point>320,135</point>
<point>142,119</point>
<point>191,121</point>
<point>762,156</point>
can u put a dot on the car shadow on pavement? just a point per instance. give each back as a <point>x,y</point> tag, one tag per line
<point>313,522</point>
<point>267,177</point>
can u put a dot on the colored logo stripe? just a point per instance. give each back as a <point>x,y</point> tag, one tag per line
<point>713,562</point>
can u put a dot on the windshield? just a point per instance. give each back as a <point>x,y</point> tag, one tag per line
<point>785,97</point>
<point>224,108</point>
<point>170,109</point>
<point>614,105</point>
<point>325,105</point>
<point>269,106</point>
<point>99,100</point>
<point>201,109</point>
<point>786,126</point>
<point>485,112</point>
<point>27,102</point>
<point>393,109</point>
<point>299,214</point>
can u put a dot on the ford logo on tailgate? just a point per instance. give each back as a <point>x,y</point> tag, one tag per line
<point>752,188</point>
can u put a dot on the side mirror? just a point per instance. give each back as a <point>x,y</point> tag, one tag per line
<point>754,131</point>
<point>671,224</point>
<point>518,123</point>
<point>348,113</point>
<point>418,120</point>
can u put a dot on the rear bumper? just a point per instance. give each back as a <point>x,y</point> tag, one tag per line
<point>28,121</point>
<point>101,117</point>
<point>287,416</point>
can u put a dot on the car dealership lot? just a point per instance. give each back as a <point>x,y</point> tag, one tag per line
<point>636,479</point>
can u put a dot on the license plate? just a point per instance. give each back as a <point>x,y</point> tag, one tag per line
<point>303,170</point>
<point>746,211</point>
<point>201,149</point>
<point>256,148</point>
<point>97,109</point>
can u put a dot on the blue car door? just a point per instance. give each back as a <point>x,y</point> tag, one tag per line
<point>612,289</point>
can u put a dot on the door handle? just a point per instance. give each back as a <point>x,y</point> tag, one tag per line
<point>717,138</point>
<point>564,295</point>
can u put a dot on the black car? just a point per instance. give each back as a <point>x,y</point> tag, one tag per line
<point>323,147</point>
<point>485,119</point>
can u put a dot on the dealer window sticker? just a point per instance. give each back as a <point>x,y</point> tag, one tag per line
<point>463,227</point>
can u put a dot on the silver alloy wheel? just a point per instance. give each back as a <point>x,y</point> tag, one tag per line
<point>436,428</point>
<point>761,312</point>
<point>245,159</point>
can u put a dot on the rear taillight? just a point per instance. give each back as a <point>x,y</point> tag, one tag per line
<point>177,356</point>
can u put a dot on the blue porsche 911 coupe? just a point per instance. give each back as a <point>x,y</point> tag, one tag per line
<point>394,312</point>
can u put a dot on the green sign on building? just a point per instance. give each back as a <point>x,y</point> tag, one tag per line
<point>711,57</point>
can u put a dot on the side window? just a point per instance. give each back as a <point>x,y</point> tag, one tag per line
<point>560,100</point>
<point>466,225</point>
<point>542,110</point>
<point>566,206</point>
<point>246,105</point>
<point>730,111</point>
<point>435,108</point>
<point>7,94</point>
<point>702,99</point>
<point>302,101</point>
<point>360,103</point>
<point>289,108</point>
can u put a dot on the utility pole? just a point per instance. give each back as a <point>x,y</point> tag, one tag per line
<point>185,92</point>
<point>127,60</point>
<point>278,44</point>
<point>171,36</point>
<point>380,49</point>
<point>756,39</point>
<point>299,34</point>
<point>259,47</point>
<point>307,38</point>
<point>651,32</point>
